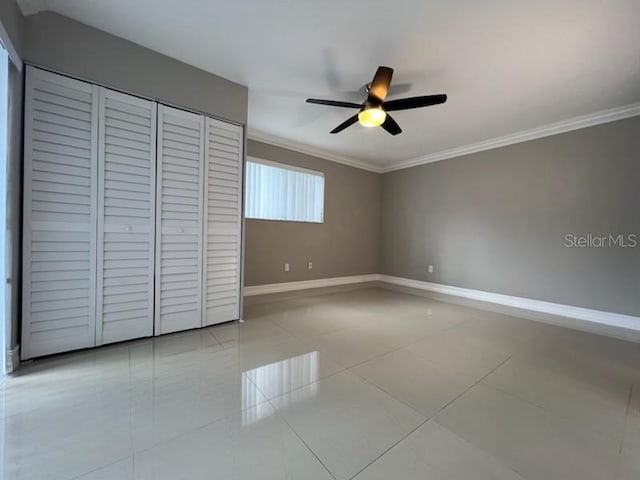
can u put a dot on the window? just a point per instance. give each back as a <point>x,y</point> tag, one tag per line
<point>282,192</point>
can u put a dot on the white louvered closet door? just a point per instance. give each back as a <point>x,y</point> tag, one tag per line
<point>179,220</point>
<point>126,217</point>
<point>59,254</point>
<point>223,222</point>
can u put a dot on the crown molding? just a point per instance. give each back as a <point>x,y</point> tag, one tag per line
<point>563,126</point>
<point>575,123</point>
<point>31,7</point>
<point>274,140</point>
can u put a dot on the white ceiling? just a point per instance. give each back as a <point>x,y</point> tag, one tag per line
<point>507,65</point>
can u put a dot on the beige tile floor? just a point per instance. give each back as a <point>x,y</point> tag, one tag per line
<point>367,384</point>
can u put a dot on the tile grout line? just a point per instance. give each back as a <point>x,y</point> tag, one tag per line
<point>78,477</point>
<point>626,418</point>
<point>575,423</point>
<point>131,456</point>
<point>196,429</point>
<point>306,340</point>
<point>402,347</point>
<point>348,369</point>
<point>281,417</point>
<point>210,332</point>
<point>225,417</point>
<point>376,357</point>
<point>174,437</point>
<point>389,394</point>
<point>624,432</point>
<point>342,370</point>
<point>428,419</point>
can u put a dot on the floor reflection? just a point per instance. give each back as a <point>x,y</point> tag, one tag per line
<point>275,378</point>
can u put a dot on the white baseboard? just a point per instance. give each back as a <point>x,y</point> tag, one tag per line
<point>615,325</point>
<point>13,359</point>
<point>306,284</point>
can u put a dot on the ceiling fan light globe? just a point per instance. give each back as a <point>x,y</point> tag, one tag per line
<point>372,117</point>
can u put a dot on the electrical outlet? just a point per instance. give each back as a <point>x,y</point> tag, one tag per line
<point>430,268</point>
<point>286,267</point>
<point>310,265</point>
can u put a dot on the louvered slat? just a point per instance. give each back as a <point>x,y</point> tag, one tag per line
<point>223,221</point>
<point>179,220</point>
<point>126,217</point>
<point>60,165</point>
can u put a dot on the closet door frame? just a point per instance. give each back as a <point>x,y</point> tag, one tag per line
<point>243,187</point>
<point>26,350</point>
<point>126,98</point>
<point>209,124</point>
<point>159,227</point>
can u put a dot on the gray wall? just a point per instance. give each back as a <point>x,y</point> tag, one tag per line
<point>13,22</point>
<point>66,46</point>
<point>496,220</point>
<point>347,243</point>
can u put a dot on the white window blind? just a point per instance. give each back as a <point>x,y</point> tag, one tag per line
<point>282,192</point>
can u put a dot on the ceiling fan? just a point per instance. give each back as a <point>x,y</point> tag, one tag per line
<point>373,111</point>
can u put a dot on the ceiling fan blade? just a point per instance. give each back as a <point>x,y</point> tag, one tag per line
<point>333,103</point>
<point>414,102</point>
<point>380,83</point>
<point>395,89</point>
<point>391,126</point>
<point>347,123</point>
